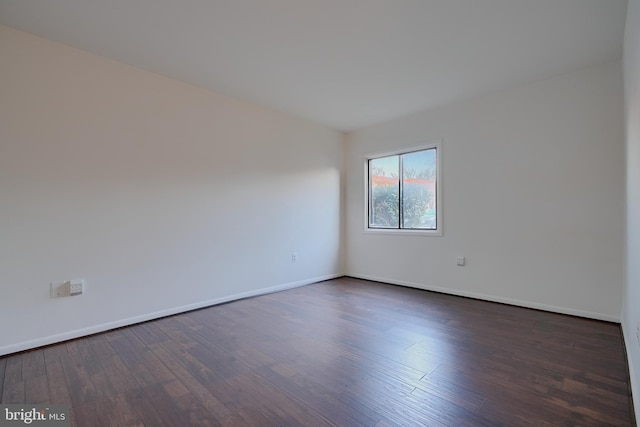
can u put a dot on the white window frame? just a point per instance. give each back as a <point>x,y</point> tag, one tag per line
<point>438,232</point>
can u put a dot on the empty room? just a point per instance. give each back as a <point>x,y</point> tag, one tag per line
<point>320,212</point>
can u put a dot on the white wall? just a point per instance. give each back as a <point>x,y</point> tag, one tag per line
<point>162,196</point>
<point>533,197</point>
<point>631,296</point>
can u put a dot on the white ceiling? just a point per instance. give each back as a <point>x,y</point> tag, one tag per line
<point>343,63</point>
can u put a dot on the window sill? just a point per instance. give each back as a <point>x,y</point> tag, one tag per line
<point>397,232</point>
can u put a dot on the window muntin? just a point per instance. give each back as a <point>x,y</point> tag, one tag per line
<point>403,191</point>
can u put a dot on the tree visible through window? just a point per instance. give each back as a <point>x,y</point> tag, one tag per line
<point>402,191</point>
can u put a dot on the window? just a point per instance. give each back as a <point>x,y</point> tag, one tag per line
<point>403,191</point>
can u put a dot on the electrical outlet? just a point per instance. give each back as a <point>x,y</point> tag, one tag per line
<point>461,261</point>
<point>638,331</point>
<point>76,288</point>
<point>294,256</point>
<point>67,288</point>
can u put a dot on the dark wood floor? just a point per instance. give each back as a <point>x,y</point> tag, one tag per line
<point>344,352</point>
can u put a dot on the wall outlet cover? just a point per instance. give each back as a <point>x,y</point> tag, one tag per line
<point>66,288</point>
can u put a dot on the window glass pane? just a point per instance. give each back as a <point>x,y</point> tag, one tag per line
<point>419,190</point>
<point>384,184</point>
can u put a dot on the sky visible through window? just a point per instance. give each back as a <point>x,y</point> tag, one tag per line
<point>418,161</point>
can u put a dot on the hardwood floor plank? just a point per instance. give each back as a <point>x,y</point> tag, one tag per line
<point>137,359</point>
<point>452,392</point>
<point>175,389</point>
<point>86,414</point>
<point>163,405</point>
<point>121,413</point>
<point>344,352</point>
<point>321,399</point>
<point>81,388</point>
<point>604,400</point>
<point>221,363</point>
<point>287,408</point>
<point>149,333</point>
<point>13,369</point>
<point>194,412</point>
<point>3,365</point>
<point>586,405</point>
<point>394,410</point>
<point>119,376</point>
<point>57,383</point>
<point>36,389</point>
<point>14,392</point>
<point>33,364</point>
<point>237,402</point>
<point>149,413</point>
<point>175,364</point>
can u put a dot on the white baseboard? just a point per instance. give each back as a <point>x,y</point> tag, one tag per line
<point>634,370</point>
<point>77,333</point>
<point>492,298</point>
